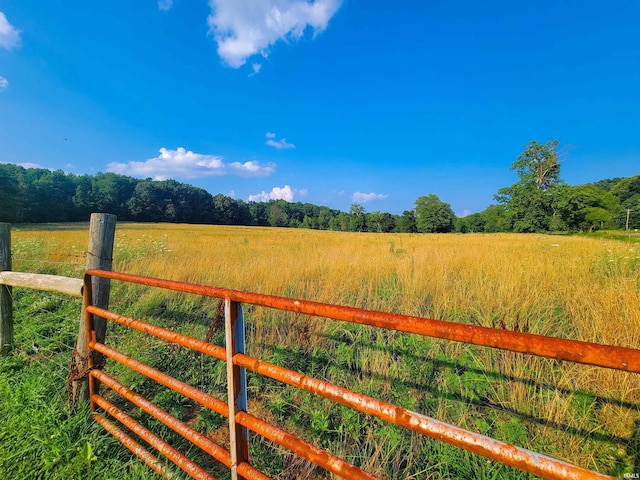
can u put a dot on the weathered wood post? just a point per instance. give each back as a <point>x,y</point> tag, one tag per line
<point>6,302</point>
<point>102,229</point>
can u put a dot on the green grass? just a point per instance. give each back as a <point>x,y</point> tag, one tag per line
<point>40,438</point>
<point>632,237</point>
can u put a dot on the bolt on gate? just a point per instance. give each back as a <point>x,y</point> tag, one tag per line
<point>235,408</point>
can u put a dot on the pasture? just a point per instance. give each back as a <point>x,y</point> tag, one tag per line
<point>571,287</point>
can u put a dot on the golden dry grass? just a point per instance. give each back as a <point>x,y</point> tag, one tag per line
<point>573,287</point>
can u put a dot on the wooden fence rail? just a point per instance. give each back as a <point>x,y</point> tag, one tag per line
<point>39,281</point>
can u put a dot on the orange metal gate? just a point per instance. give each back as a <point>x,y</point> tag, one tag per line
<point>240,421</point>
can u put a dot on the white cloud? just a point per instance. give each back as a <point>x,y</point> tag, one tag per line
<point>465,213</point>
<point>4,83</point>
<point>280,144</point>
<point>9,36</point>
<point>165,5</point>
<point>243,28</point>
<point>285,193</point>
<point>187,164</point>
<point>360,197</point>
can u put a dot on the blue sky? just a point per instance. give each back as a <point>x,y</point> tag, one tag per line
<point>330,102</point>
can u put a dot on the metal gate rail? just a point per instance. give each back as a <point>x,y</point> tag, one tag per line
<point>240,420</point>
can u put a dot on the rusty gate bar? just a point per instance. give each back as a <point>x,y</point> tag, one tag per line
<point>189,467</point>
<point>174,337</point>
<point>304,449</point>
<point>201,441</point>
<point>168,381</point>
<point>236,386</point>
<point>134,447</point>
<point>503,452</point>
<point>608,356</point>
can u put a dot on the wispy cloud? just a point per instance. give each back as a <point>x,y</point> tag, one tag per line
<point>277,193</point>
<point>243,28</point>
<point>9,35</point>
<point>4,83</point>
<point>256,69</point>
<point>360,197</point>
<point>25,164</point>
<point>165,5</point>
<point>280,144</point>
<point>182,163</point>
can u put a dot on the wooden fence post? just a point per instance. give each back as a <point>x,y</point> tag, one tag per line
<point>6,302</point>
<point>102,229</point>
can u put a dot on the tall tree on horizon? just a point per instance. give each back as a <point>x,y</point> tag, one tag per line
<point>529,203</point>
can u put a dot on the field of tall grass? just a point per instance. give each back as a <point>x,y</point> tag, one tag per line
<point>571,287</point>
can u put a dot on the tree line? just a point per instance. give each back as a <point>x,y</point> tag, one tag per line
<point>539,201</point>
<point>38,195</point>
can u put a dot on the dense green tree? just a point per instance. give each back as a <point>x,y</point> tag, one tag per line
<point>358,219</point>
<point>527,208</point>
<point>586,207</point>
<point>495,219</point>
<point>626,188</point>
<point>324,218</point>
<point>407,222</point>
<point>472,223</point>
<point>476,222</point>
<point>277,215</point>
<point>53,188</point>
<point>309,222</point>
<point>606,184</point>
<point>461,225</point>
<point>259,212</point>
<point>340,223</point>
<point>105,193</point>
<point>149,202</point>
<point>380,222</point>
<point>228,211</point>
<point>433,215</point>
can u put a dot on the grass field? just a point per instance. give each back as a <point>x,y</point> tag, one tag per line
<point>572,287</point>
